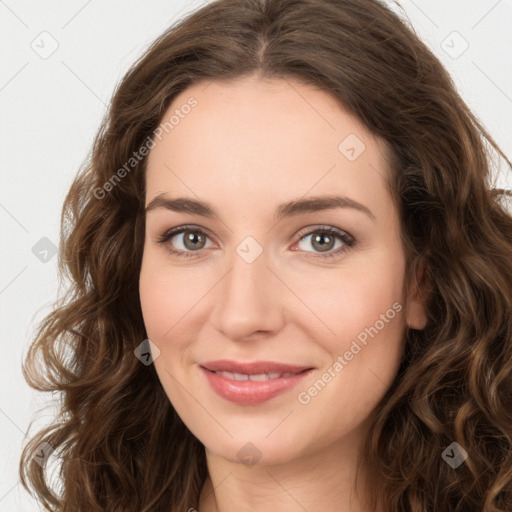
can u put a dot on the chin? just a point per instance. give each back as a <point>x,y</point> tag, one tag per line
<point>256,448</point>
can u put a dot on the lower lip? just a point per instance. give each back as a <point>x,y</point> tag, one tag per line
<point>248,392</point>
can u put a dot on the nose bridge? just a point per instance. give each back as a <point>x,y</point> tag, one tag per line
<point>248,299</point>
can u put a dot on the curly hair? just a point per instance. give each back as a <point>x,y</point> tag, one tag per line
<point>119,442</point>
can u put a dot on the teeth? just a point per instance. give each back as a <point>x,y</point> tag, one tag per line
<point>237,376</point>
<point>260,376</point>
<point>256,377</point>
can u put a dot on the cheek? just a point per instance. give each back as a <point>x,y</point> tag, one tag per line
<point>341,304</point>
<point>156,303</point>
<point>174,309</point>
<point>367,315</point>
<point>160,300</point>
<point>166,295</point>
<point>366,312</point>
<point>163,304</point>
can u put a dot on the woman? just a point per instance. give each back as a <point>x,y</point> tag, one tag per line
<point>291,281</point>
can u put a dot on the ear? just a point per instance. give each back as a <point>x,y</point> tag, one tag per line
<point>416,311</point>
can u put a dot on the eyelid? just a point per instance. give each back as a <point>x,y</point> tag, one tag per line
<point>309,230</point>
<point>170,233</point>
<point>348,240</point>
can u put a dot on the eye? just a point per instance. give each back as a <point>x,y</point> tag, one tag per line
<point>323,240</point>
<point>193,241</point>
<point>189,241</point>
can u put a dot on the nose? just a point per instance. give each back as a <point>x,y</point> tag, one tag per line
<point>249,300</point>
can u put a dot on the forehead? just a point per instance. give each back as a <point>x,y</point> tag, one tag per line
<point>264,139</point>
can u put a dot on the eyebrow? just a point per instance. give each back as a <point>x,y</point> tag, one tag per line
<point>289,209</point>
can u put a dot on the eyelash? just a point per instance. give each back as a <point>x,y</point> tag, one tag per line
<point>348,240</point>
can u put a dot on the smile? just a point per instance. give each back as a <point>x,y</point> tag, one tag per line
<point>253,383</point>
<point>255,377</point>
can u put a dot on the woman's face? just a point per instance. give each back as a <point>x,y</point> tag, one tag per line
<point>256,278</point>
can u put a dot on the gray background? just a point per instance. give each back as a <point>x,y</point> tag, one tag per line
<point>60,62</point>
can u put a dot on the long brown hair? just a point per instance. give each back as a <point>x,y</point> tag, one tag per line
<point>119,442</point>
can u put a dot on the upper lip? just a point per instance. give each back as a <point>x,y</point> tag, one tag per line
<point>252,368</point>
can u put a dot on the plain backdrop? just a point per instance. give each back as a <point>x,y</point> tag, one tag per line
<point>60,62</point>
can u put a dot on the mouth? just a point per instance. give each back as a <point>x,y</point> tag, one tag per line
<point>253,368</point>
<point>257,377</point>
<point>252,383</point>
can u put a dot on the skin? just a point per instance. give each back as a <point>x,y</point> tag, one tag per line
<point>248,146</point>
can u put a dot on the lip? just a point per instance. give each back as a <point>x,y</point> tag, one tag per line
<point>252,368</point>
<point>249,392</point>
